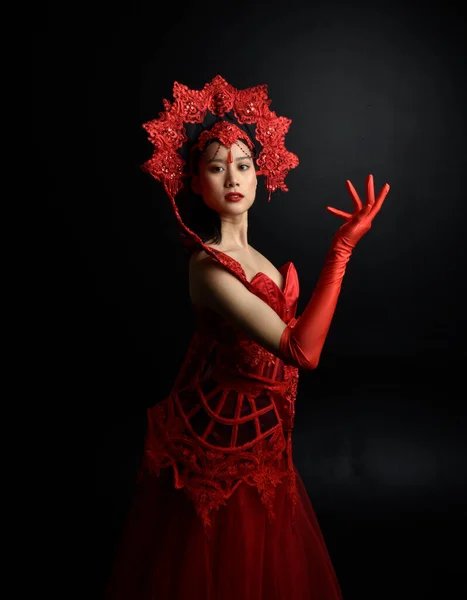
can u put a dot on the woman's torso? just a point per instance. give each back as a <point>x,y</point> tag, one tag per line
<point>251,260</point>
<point>230,413</point>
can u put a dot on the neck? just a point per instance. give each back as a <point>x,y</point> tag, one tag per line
<point>235,232</point>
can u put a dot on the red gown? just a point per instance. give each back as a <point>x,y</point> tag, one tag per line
<point>220,511</point>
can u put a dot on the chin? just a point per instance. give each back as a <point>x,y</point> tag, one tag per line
<point>239,206</point>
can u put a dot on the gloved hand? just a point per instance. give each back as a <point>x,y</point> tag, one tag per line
<point>301,344</point>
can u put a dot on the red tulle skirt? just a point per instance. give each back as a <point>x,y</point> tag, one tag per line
<point>165,555</point>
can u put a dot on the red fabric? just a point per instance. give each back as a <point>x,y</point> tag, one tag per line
<point>220,511</point>
<point>303,340</point>
<point>168,131</point>
<point>165,554</point>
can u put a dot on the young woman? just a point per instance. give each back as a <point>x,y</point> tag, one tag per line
<point>220,511</point>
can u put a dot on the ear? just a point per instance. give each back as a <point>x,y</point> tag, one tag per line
<point>195,185</point>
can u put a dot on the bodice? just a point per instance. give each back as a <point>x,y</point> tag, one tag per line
<point>229,416</point>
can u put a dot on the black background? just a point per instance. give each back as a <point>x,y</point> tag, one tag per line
<point>371,88</point>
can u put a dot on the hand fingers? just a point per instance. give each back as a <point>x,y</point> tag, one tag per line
<point>370,190</point>
<point>356,200</point>
<point>373,206</point>
<point>380,199</point>
<point>339,213</point>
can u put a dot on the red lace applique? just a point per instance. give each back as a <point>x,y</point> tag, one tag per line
<point>168,133</point>
<point>253,354</point>
<point>291,375</point>
<point>231,264</point>
<point>227,134</point>
<point>209,477</point>
<point>228,419</point>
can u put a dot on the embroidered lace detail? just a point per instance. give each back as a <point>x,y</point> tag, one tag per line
<point>231,264</point>
<point>291,375</point>
<point>223,425</point>
<point>228,420</point>
<point>209,477</point>
<point>254,354</point>
<point>226,133</point>
<point>249,106</point>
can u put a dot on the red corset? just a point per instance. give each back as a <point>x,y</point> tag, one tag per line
<point>229,417</point>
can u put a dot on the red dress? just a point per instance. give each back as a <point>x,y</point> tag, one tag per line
<point>220,511</point>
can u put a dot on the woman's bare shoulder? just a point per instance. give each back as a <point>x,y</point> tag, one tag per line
<point>201,266</point>
<point>217,289</point>
<point>199,258</point>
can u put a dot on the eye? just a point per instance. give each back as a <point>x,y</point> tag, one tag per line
<point>213,169</point>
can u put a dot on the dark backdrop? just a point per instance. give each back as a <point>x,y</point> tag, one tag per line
<point>371,88</point>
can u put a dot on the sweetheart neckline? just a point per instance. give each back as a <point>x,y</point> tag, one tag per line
<point>286,266</point>
<point>286,277</point>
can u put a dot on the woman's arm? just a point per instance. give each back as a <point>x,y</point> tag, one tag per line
<point>215,288</point>
<point>212,286</point>
<point>301,345</point>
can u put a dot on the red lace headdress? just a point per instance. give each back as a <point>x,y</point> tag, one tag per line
<point>223,112</point>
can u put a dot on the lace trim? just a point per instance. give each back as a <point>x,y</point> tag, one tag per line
<point>210,477</point>
<point>255,354</point>
<point>249,106</point>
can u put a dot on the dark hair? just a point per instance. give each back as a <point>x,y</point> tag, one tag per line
<point>196,215</point>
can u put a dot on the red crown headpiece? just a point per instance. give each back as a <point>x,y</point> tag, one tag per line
<point>223,112</point>
<point>250,107</point>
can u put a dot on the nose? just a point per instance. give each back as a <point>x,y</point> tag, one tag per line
<point>231,180</point>
<point>231,174</point>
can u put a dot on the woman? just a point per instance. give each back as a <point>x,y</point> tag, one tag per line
<point>220,511</point>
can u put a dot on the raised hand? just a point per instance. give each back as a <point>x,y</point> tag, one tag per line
<point>301,344</point>
<point>359,222</point>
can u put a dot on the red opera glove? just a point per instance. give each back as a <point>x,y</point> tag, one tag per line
<point>301,345</point>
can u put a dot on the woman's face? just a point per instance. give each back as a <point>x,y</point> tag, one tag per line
<point>217,178</point>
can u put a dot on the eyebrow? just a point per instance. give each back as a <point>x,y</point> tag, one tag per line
<point>220,159</point>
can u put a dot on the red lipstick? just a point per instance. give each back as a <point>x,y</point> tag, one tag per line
<point>234,196</point>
